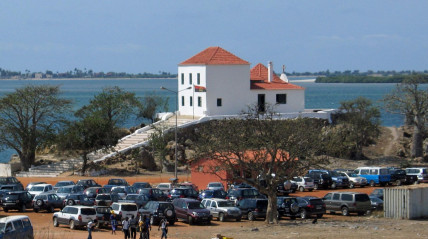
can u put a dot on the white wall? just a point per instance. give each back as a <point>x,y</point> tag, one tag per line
<point>187,109</point>
<point>295,99</point>
<point>5,170</point>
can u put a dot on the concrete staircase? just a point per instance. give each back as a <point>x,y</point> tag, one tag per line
<point>53,169</point>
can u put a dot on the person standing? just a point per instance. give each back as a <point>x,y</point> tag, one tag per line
<point>125,227</point>
<point>148,226</point>
<point>143,227</point>
<point>164,226</point>
<point>133,227</point>
<point>113,222</point>
<point>90,227</point>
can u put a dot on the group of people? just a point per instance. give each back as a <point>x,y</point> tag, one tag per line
<point>130,226</point>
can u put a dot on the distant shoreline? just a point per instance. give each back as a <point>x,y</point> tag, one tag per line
<point>52,79</point>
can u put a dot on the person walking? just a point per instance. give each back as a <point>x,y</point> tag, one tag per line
<point>125,227</point>
<point>113,222</point>
<point>164,226</point>
<point>90,226</point>
<point>143,227</point>
<point>133,227</point>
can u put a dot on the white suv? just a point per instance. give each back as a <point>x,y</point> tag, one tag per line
<point>304,183</point>
<point>421,173</point>
<point>74,216</point>
<point>124,209</point>
<point>222,209</point>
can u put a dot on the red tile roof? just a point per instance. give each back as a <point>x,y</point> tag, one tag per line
<point>259,80</point>
<point>214,56</point>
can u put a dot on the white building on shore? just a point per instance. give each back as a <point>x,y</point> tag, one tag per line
<point>223,84</point>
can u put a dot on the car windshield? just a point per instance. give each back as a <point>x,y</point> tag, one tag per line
<point>103,209</point>
<point>195,205</point>
<point>118,190</point>
<point>220,194</point>
<point>226,204</point>
<point>132,197</point>
<point>37,189</point>
<point>63,190</point>
<point>353,175</point>
<point>250,192</point>
<point>60,184</point>
<point>208,193</point>
<point>88,211</point>
<point>383,171</point>
<point>129,207</point>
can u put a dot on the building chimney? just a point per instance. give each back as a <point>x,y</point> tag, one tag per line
<point>270,71</point>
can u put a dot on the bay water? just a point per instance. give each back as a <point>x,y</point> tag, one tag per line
<point>317,95</point>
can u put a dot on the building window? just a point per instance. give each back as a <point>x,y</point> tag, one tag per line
<point>191,101</point>
<point>182,78</point>
<point>199,101</point>
<point>281,98</point>
<point>190,78</point>
<point>218,102</point>
<point>182,101</point>
<point>198,80</point>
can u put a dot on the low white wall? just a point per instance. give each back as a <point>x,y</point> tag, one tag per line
<point>5,170</point>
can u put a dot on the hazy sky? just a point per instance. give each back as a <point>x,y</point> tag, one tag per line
<point>151,36</point>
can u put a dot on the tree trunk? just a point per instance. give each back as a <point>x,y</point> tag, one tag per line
<point>272,211</point>
<point>85,162</point>
<point>417,140</point>
<point>27,159</point>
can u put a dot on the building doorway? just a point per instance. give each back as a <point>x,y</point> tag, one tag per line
<point>261,103</point>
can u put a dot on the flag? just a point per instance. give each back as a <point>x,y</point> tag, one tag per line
<point>200,89</point>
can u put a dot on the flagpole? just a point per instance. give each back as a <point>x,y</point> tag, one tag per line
<point>193,103</point>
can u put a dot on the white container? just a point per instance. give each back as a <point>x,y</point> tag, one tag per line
<point>406,202</point>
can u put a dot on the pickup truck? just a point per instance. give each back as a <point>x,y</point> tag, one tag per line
<point>399,177</point>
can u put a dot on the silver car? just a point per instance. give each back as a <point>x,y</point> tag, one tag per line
<point>222,209</point>
<point>215,186</point>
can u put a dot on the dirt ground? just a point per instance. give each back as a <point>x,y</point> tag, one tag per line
<point>330,226</point>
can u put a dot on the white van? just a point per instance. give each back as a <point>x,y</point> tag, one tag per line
<point>16,227</point>
<point>421,173</point>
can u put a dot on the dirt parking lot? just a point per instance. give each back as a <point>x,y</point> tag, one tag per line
<point>330,226</point>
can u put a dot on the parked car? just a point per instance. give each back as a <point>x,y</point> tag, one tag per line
<point>165,187</point>
<point>12,187</point>
<point>222,209</point>
<point>237,194</point>
<point>63,184</point>
<point>219,193</point>
<point>191,211</point>
<point>215,186</point>
<point>74,216</point>
<point>253,208</point>
<point>182,193</point>
<point>9,180</point>
<point>86,183</point>
<point>91,192</point>
<point>287,207</point>
<point>321,179</point>
<point>31,184</point>
<point>117,182</point>
<point>310,206</point>
<point>304,183</point>
<point>377,203</point>
<point>378,192</point>
<point>18,226</point>
<point>284,188</point>
<point>354,179</point>
<point>47,201</point>
<point>347,202</point>
<point>138,199</point>
<point>421,173</point>
<point>374,175</point>
<point>122,191</point>
<point>63,192</point>
<point>18,200</point>
<point>104,189</point>
<point>40,188</point>
<point>138,185</point>
<point>124,209</point>
<point>78,199</point>
<point>103,216</point>
<point>156,210</point>
<point>338,181</point>
<point>399,177</point>
<point>154,194</point>
<point>104,199</point>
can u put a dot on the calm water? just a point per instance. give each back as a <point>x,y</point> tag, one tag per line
<point>317,95</point>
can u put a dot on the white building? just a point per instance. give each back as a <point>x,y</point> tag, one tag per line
<point>216,82</point>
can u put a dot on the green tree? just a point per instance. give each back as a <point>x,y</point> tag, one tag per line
<point>356,125</point>
<point>411,101</point>
<point>152,104</point>
<point>262,147</point>
<point>30,118</point>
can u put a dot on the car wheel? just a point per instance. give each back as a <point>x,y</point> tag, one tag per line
<point>238,219</point>
<point>351,185</point>
<point>72,225</point>
<point>372,183</point>
<point>333,185</point>
<point>320,215</point>
<point>190,220</point>
<point>171,223</point>
<point>36,210</point>
<point>39,203</point>
<point>310,190</point>
<point>345,211</point>
<point>51,209</point>
<point>70,202</point>
<point>23,208</point>
<point>221,217</point>
<point>55,222</point>
<point>5,209</point>
<point>251,216</point>
<point>301,189</point>
<point>398,182</point>
<point>303,214</point>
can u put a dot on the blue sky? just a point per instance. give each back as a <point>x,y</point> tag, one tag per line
<point>150,36</point>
